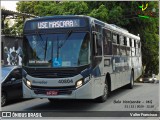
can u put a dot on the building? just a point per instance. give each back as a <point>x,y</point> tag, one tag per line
<point>11,46</point>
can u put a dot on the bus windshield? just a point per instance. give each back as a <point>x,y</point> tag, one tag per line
<point>70,49</point>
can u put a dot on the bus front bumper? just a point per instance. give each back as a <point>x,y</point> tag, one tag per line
<point>83,92</point>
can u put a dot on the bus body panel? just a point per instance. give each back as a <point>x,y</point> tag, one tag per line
<point>53,82</point>
<point>88,91</point>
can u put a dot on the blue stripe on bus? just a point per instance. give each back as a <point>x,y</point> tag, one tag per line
<point>93,71</point>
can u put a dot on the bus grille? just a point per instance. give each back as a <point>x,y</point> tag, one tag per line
<point>52,73</point>
<point>61,90</point>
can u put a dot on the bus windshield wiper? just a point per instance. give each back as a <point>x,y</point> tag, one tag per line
<point>66,38</point>
<point>45,48</point>
<point>61,45</point>
<point>37,33</point>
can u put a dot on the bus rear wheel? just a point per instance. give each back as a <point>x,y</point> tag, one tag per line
<point>104,97</point>
<point>131,84</point>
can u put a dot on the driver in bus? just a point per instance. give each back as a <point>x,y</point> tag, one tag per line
<point>83,56</point>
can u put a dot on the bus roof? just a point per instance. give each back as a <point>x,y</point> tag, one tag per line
<point>105,25</point>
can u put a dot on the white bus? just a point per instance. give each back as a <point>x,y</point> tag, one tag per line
<point>77,57</point>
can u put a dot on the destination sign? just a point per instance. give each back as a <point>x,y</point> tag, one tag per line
<point>42,24</point>
<point>58,24</point>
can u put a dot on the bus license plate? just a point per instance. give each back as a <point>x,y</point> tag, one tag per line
<point>52,92</point>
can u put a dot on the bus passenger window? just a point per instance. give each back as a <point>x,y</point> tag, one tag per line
<point>134,43</point>
<point>121,40</point>
<point>114,38</point>
<point>97,44</point>
<point>97,28</point>
<point>107,44</point>
<point>115,45</point>
<point>130,42</point>
<point>137,51</point>
<point>118,39</point>
<point>122,47</point>
<point>139,45</point>
<point>125,41</point>
<point>109,34</point>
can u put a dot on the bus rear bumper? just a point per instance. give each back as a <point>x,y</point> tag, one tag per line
<point>84,92</point>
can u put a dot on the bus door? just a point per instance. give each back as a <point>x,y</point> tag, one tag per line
<point>124,66</point>
<point>116,60</point>
<point>97,63</point>
<point>107,50</point>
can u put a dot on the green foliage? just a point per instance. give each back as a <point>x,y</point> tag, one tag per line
<point>6,29</point>
<point>115,15</point>
<point>74,8</point>
<point>100,13</point>
<point>120,13</point>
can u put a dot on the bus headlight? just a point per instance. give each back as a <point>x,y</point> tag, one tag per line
<point>28,83</point>
<point>79,83</point>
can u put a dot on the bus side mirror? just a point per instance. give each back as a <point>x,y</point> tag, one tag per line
<point>13,79</point>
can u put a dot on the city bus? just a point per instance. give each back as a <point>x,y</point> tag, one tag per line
<point>77,57</point>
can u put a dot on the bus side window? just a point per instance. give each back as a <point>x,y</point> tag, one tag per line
<point>135,43</point>
<point>98,28</point>
<point>122,48</point>
<point>118,39</point>
<point>137,50</point>
<point>125,46</point>
<point>114,38</point>
<point>97,44</point>
<point>139,44</point>
<point>130,42</point>
<point>121,39</point>
<point>125,41</point>
<point>128,47</point>
<point>133,48</point>
<point>115,44</point>
<point>107,42</point>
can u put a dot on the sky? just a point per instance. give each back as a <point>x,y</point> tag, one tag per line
<point>9,5</point>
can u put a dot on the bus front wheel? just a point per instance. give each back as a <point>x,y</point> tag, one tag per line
<point>104,97</point>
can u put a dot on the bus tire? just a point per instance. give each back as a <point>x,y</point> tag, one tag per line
<point>104,97</point>
<point>131,84</point>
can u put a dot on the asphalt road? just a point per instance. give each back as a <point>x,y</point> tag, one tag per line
<point>143,97</point>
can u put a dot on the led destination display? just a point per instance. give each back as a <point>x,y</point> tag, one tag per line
<point>58,24</point>
<point>55,23</point>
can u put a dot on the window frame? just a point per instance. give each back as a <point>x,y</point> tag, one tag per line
<point>107,39</point>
